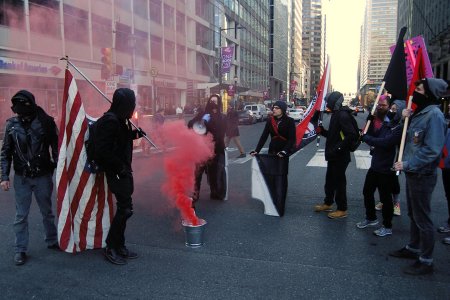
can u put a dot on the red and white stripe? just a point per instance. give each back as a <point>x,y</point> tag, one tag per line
<point>84,203</point>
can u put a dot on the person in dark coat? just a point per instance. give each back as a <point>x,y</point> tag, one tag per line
<point>31,145</point>
<point>215,124</point>
<point>232,132</point>
<point>113,153</point>
<point>340,136</point>
<point>383,136</point>
<point>275,166</point>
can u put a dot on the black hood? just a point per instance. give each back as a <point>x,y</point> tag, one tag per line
<point>123,103</point>
<point>334,101</point>
<point>24,103</point>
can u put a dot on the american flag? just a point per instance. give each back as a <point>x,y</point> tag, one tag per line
<point>84,203</point>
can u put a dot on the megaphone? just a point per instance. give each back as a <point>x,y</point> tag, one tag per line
<point>199,127</point>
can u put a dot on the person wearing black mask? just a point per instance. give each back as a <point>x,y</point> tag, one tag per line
<point>31,145</point>
<point>214,123</point>
<point>423,145</point>
<point>340,135</point>
<point>113,154</point>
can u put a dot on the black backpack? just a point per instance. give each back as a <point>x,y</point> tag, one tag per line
<point>355,143</point>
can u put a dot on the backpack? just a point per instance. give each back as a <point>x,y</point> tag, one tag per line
<point>354,143</point>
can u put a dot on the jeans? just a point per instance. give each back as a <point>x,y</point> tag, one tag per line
<point>384,183</point>
<point>336,184</point>
<point>42,187</point>
<point>419,188</point>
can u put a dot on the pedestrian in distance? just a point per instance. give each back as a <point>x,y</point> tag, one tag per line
<point>232,131</point>
<point>30,144</point>
<point>423,145</point>
<point>281,129</point>
<point>212,121</point>
<point>113,154</point>
<point>341,134</point>
<point>383,136</point>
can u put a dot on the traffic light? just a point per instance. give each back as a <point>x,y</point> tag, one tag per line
<point>106,63</point>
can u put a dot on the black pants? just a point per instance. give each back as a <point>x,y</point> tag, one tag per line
<point>446,182</point>
<point>122,189</point>
<point>385,184</point>
<point>215,171</point>
<point>336,184</point>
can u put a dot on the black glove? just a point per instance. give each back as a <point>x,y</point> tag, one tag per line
<point>282,154</point>
<point>253,153</point>
<point>141,132</point>
<point>124,173</point>
<point>370,117</point>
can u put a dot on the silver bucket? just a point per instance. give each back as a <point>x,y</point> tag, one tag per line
<point>194,233</point>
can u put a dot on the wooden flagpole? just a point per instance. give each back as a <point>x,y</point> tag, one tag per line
<point>374,106</point>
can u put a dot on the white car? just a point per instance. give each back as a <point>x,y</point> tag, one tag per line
<point>296,113</point>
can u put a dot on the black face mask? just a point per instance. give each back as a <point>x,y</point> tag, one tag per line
<point>391,115</point>
<point>420,100</point>
<point>23,110</point>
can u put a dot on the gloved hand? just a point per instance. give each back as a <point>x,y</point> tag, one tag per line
<point>253,153</point>
<point>370,117</point>
<point>124,173</point>
<point>282,154</point>
<point>320,129</point>
<point>206,117</point>
<point>141,133</point>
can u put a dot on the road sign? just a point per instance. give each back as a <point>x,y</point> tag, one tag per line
<point>154,72</point>
<point>110,87</point>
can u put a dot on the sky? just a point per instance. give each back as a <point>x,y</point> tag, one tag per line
<point>344,20</point>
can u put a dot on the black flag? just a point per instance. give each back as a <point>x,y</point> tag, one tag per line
<point>395,77</point>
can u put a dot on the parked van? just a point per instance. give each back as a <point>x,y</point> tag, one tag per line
<point>259,110</point>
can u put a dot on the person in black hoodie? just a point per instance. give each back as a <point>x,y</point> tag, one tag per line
<point>31,144</point>
<point>340,136</point>
<point>215,124</point>
<point>113,154</point>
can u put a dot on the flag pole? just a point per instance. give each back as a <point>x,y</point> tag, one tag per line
<point>66,58</point>
<point>405,128</point>
<point>374,106</point>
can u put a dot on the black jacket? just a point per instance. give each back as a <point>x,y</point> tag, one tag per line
<point>286,139</point>
<point>340,135</point>
<point>39,151</point>
<point>216,126</point>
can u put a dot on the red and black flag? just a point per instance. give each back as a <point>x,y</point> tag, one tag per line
<point>395,76</point>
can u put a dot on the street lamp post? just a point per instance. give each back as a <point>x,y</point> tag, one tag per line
<point>236,96</point>
<point>220,49</point>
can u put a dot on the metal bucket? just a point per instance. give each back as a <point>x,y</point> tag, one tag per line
<point>194,233</point>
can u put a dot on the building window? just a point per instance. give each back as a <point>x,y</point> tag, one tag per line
<point>44,19</point>
<point>123,33</point>
<point>75,18</point>
<point>12,14</point>
<point>140,8</point>
<point>155,11</point>
<point>101,31</point>
<point>156,47</point>
<point>170,52</point>
<point>180,22</point>
<point>181,56</point>
<point>141,45</point>
<point>168,16</point>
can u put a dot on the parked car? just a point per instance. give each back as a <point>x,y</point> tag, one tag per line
<point>296,113</point>
<point>259,110</point>
<point>246,117</point>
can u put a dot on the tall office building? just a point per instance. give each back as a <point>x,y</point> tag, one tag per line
<point>279,48</point>
<point>378,34</point>
<point>313,45</point>
<point>297,68</point>
<point>431,19</point>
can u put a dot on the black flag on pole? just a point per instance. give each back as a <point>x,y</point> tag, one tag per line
<point>395,77</point>
<point>269,182</point>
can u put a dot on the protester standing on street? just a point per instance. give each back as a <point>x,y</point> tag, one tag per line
<point>232,132</point>
<point>383,136</point>
<point>215,124</point>
<point>113,153</point>
<point>31,145</point>
<point>424,142</point>
<point>445,166</point>
<point>340,135</point>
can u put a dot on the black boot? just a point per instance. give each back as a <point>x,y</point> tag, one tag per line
<point>126,253</point>
<point>20,258</point>
<point>114,257</point>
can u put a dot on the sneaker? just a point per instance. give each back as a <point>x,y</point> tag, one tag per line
<point>242,155</point>
<point>418,268</point>
<point>397,209</point>
<point>322,207</point>
<point>383,231</point>
<point>446,240</point>
<point>444,229</point>
<point>366,223</point>
<point>379,206</point>
<point>404,253</point>
<point>338,214</point>
<point>20,258</point>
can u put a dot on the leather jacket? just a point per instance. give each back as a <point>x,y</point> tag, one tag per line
<point>28,147</point>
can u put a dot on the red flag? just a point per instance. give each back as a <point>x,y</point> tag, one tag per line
<point>304,129</point>
<point>419,73</point>
<point>84,203</point>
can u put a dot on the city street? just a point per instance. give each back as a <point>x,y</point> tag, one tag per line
<point>247,255</point>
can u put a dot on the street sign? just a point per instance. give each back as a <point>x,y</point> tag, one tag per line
<point>154,71</point>
<point>110,87</point>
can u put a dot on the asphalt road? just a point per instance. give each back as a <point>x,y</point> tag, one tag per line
<point>247,255</point>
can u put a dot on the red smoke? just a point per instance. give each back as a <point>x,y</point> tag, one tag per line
<point>184,150</point>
